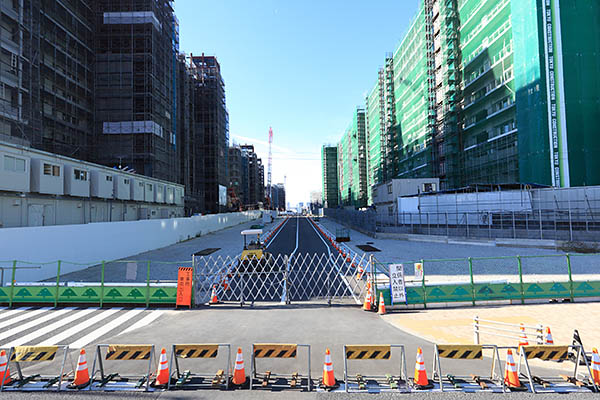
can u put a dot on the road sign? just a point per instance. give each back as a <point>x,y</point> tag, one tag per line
<point>184,286</point>
<point>418,271</point>
<point>397,288</point>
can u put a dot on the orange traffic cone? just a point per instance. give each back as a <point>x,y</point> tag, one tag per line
<point>239,374</point>
<point>368,304</point>
<point>162,374</point>
<point>420,372</point>
<point>595,366</point>
<point>4,370</point>
<point>548,339</point>
<point>213,296</point>
<point>82,375</point>
<point>511,376</point>
<point>381,304</point>
<point>328,375</point>
<point>523,338</point>
<point>360,272</point>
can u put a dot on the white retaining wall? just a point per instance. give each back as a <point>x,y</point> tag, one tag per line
<point>90,243</point>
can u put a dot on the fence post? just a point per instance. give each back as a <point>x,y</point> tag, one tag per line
<point>476,329</point>
<point>447,228</point>
<point>57,284</point>
<point>541,233</point>
<point>472,281</point>
<point>570,225</point>
<point>467,222</point>
<point>287,286</point>
<point>423,285</point>
<point>570,277</point>
<point>521,279</point>
<point>514,228</point>
<point>102,284</point>
<point>12,283</point>
<point>373,276</point>
<point>148,284</point>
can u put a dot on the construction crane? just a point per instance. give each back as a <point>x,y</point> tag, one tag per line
<point>270,165</point>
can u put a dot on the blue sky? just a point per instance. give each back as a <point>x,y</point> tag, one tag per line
<point>300,66</point>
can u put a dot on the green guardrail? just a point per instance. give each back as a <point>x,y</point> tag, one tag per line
<point>570,273</point>
<point>132,282</point>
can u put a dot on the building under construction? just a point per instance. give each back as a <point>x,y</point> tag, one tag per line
<point>352,163</point>
<point>46,75</point>
<point>136,45</point>
<point>256,177</point>
<point>329,166</point>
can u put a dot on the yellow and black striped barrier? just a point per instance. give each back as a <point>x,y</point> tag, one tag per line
<point>281,351</point>
<point>29,354</point>
<point>373,352</point>
<point>197,380</point>
<point>122,352</point>
<point>467,352</point>
<point>556,353</point>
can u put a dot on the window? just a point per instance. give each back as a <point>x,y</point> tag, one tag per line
<point>14,164</point>
<point>55,170</point>
<point>126,181</point>
<point>429,187</point>
<point>108,178</point>
<point>47,169</point>
<point>141,184</point>
<point>80,175</point>
<point>389,187</point>
<point>150,187</point>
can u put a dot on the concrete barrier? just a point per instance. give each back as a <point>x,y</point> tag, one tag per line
<point>91,243</point>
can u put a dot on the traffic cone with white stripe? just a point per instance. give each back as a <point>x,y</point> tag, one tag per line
<point>239,373</point>
<point>381,310</point>
<point>548,338</point>
<point>4,370</point>
<point>162,374</point>
<point>420,371</point>
<point>523,338</point>
<point>595,366</point>
<point>82,375</point>
<point>511,376</point>
<point>213,296</point>
<point>368,304</point>
<point>328,375</point>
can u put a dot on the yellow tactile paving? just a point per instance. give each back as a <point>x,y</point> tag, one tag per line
<point>455,326</point>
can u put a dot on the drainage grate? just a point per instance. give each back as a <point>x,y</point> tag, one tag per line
<point>206,252</point>
<point>367,247</point>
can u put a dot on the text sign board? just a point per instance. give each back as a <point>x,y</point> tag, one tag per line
<point>397,288</point>
<point>184,287</point>
<point>418,271</point>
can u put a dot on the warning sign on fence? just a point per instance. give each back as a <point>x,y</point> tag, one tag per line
<point>397,288</point>
<point>418,272</point>
<point>184,287</point>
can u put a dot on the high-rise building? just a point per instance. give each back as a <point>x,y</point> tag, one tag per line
<point>279,197</point>
<point>329,167</point>
<point>135,48</point>
<point>352,163</point>
<point>238,174</point>
<point>212,119</point>
<point>256,176</point>
<point>47,76</point>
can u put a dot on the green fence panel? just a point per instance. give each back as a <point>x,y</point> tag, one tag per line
<point>586,288</point>
<point>79,294</point>
<point>4,294</point>
<point>34,294</point>
<point>545,290</point>
<point>163,295</point>
<point>497,291</point>
<point>414,295</point>
<point>449,293</point>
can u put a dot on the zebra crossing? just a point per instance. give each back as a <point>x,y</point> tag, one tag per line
<point>72,326</point>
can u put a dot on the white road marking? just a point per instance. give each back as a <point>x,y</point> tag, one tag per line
<point>89,338</point>
<point>58,339</point>
<point>10,313</point>
<point>144,321</point>
<point>49,328</point>
<point>287,267</point>
<point>280,229</point>
<point>28,325</point>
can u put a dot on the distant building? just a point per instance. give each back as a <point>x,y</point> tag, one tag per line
<point>278,200</point>
<point>385,195</point>
<point>329,168</point>
<point>352,163</point>
<point>256,176</point>
<point>238,175</point>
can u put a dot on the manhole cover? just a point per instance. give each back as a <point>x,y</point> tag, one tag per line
<point>206,252</point>
<point>367,247</point>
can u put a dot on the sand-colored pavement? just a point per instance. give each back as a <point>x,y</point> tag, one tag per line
<point>455,325</point>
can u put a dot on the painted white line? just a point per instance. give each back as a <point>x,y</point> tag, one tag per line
<point>10,313</point>
<point>335,264</point>
<point>25,316</point>
<point>58,339</point>
<point>144,321</point>
<point>28,325</point>
<point>89,338</point>
<point>287,266</point>
<point>297,232</point>
<point>50,328</point>
<point>280,229</point>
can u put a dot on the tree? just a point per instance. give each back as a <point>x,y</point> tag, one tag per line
<point>485,290</point>
<point>135,294</point>
<point>68,293</point>
<point>535,288</point>
<point>437,292</point>
<point>114,293</point>
<point>23,293</point>
<point>89,293</point>
<point>44,293</point>
<point>557,287</point>
<point>508,289</point>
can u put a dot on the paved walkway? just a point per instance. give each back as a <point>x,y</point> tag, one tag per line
<point>455,325</point>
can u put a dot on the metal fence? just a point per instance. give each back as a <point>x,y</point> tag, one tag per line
<point>537,224</point>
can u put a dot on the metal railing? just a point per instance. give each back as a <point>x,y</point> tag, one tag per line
<point>505,330</point>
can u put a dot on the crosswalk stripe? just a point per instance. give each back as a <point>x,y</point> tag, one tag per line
<point>144,321</point>
<point>47,317</point>
<point>90,337</point>
<point>10,313</point>
<point>49,328</point>
<point>24,316</point>
<point>58,338</point>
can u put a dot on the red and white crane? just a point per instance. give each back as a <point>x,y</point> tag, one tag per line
<point>269,189</point>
